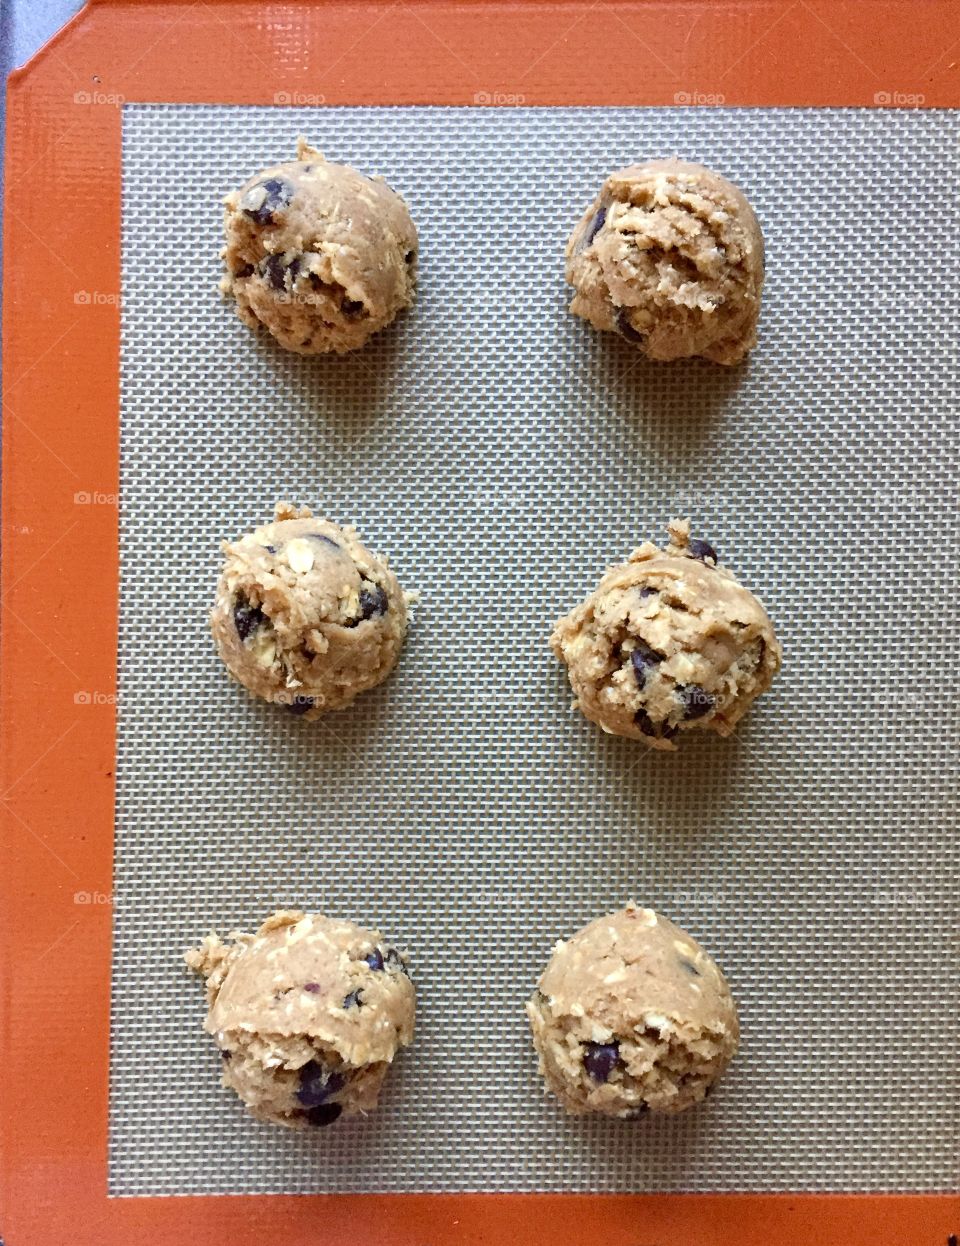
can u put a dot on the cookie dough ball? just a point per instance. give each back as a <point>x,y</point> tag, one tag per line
<point>670,256</point>
<point>305,615</point>
<point>308,1015</point>
<point>669,642</point>
<point>318,254</point>
<point>632,1015</point>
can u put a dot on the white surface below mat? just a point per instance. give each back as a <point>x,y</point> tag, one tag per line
<point>503,454</point>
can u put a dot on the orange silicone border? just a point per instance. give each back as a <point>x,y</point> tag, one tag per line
<point>60,385</point>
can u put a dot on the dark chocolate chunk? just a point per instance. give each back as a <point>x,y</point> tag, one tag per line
<point>651,656</point>
<point>642,658</point>
<point>640,667</point>
<point>246,618</point>
<point>410,257</point>
<point>318,536</point>
<point>353,1000</point>
<point>317,1084</point>
<point>273,269</point>
<point>372,601</point>
<point>278,195</point>
<point>647,592</point>
<point>659,731</point>
<point>600,1059</point>
<point>626,329</point>
<point>225,1055</point>
<point>245,270</point>
<point>324,1114</point>
<point>595,226</point>
<point>300,705</point>
<point>375,959</point>
<point>696,702</point>
<point>393,960</point>
<point>702,550</point>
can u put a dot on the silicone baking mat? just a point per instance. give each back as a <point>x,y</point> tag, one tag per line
<point>503,454</point>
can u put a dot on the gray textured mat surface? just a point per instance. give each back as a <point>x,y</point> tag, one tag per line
<point>503,454</point>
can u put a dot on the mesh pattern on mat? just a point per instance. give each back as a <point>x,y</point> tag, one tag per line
<point>503,454</point>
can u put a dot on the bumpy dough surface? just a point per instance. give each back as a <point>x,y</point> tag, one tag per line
<point>308,1014</point>
<point>632,1015</point>
<point>670,256</point>
<point>318,254</point>
<point>305,615</point>
<point>669,642</point>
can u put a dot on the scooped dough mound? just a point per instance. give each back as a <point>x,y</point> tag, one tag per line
<point>669,642</point>
<point>308,1015</point>
<point>305,615</point>
<point>318,254</point>
<point>632,1015</point>
<point>670,256</point>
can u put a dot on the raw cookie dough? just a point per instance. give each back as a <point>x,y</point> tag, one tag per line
<point>632,1015</point>
<point>318,254</point>
<point>670,256</point>
<point>305,615</point>
<point>308,1014</point>
<point>668,642</point>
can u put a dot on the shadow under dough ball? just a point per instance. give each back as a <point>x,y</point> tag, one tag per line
<point>305,616</point>
<point>308,1014</point>
<point>632,1015</point>
<point>668,642</point>
<point>319,255</point>
<point>670,256</point>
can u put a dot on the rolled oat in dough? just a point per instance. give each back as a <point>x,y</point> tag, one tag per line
<point>669,642</point>
<point>319,255</point>
<point>670,256</point>
<point>308,1014</point>
<point>632,1015</point>
<point>305,616</point>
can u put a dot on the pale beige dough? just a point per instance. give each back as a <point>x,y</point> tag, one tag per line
<point>308,1014</point>
<point>318,254</point>
<point>632,1015</point>
<point>669,642</point>
<point>305,616</point>
<point>670,255</point>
